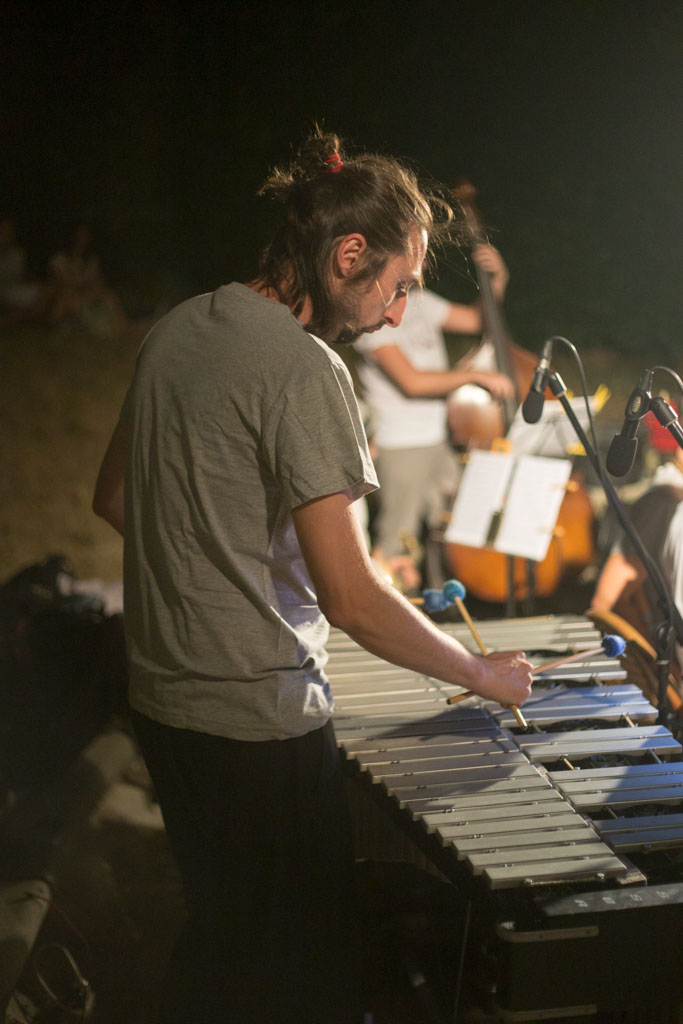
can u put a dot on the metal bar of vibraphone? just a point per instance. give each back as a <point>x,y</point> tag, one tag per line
<point>565,630</point>
<point>606,702</point>
<point>612,799</point>
<point>465,770</point>
<point>553,693</point>
<point>576,869</point>
<point>532,639</point>
<point>651,832</point>
<point>383,749</point>
<point>595,672</point>
<point>566,633</point>
<point>437,815</point>
<point>469,752</point>
<point>590,776</point>
<point>487,828</point>
<point>633,786</point>
<point>511,841</point>
<point>585,848</point>
<point>548,747</point>
<point>430,700</point>
<point>383,728</point>
<point>539,791</point>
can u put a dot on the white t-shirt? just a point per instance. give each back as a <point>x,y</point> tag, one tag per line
<point>672,551</point>
<point>672,563</point>
<point>667,550</point>
<point>402,422</point>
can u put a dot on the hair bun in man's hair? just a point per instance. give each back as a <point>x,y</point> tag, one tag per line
<point>319,154</point>
<point>333,164</point>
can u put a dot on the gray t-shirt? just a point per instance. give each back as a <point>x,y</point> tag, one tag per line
<point>235,416</point>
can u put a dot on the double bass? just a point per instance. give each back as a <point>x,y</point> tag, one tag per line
<point>477,420</point>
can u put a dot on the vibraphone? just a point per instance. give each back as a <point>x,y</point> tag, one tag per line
<point>567,837</point>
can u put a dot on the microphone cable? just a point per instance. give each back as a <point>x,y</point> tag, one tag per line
<point>584,388</point>
<point>672,374</point>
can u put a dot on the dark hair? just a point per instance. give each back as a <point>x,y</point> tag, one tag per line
<point>328,195</point>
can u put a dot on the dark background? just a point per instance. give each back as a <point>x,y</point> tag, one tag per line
<point>157,122</point>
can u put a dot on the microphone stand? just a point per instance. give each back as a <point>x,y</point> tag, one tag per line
<point>672,625</point>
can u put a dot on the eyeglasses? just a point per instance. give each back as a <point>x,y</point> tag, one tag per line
<point>400,292</point>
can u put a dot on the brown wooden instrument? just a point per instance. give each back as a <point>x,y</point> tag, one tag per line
<point>485,573</point>
<point>476,422</point>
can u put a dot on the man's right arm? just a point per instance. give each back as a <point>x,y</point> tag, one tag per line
<point>356,599</point>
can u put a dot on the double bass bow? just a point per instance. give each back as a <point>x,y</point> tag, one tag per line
<point>478,420</point>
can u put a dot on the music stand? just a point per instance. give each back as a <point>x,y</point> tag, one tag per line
<point>552,434</point>
<point>510,504</point>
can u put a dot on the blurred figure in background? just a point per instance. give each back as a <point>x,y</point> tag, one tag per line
<point>78,292</point>
<point>20,297</point>
<point>623,586</point>
<point>405,381</point>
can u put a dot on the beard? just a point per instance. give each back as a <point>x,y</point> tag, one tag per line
<point>349,333</point>
<point>339,321</point>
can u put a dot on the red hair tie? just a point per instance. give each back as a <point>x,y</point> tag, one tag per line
<point>334,164</point>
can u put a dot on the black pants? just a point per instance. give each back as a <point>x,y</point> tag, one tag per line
<point>261,835</point>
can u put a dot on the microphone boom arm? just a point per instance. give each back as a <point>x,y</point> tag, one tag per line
<point>673,625</point>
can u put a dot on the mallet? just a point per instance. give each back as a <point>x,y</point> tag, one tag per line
<point>431,601</point>
<point>454,591</point>
<point>612,646</point>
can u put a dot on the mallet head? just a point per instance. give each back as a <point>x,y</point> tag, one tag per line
<point>453,589</point>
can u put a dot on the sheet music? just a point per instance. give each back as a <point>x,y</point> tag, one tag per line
<point>481,493</point>
<point>553,434</point>
<point>532,506</point>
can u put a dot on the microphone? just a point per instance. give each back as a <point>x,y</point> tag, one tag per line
<point>622,450</point>
<point>532,407</point>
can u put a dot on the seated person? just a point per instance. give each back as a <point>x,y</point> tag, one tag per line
<point>623,585</point>
<point>78,289</point>
<point>20,297</point>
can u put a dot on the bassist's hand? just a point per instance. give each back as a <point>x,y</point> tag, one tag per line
<point>498,384</point>
<point>488,258</point>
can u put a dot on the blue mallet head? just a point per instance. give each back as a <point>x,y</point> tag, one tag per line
<point>434,601</point>
<point>453,589</point>
<point>613,645</point>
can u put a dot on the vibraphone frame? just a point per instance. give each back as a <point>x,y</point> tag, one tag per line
<point>574,909</point>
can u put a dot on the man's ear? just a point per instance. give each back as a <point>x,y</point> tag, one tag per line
<point>349,255</point>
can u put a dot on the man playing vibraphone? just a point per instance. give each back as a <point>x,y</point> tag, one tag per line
<point>242,452</point>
